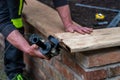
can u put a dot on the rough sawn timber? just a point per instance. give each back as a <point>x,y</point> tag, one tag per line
<point>48,22</point>
<point>100,38</point>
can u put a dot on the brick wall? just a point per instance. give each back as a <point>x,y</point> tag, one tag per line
<point>102,64</point>
<point>67,67</point>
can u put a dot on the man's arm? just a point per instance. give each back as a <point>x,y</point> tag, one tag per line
<point>16,39</point>
<point>64,12</point>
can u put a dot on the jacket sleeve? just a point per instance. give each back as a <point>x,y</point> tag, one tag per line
<point>6,28</point>
<point>58,3</point>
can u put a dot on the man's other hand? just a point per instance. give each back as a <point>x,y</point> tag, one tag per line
<point>76,28</point>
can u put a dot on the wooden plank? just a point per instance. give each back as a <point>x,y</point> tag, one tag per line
<point>47,21</point>
<point>100,38</point>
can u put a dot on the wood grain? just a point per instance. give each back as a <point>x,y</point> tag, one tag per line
<point>100,38</point>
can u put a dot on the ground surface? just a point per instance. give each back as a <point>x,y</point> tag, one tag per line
<point>86,16</point>
<point>2,74</point>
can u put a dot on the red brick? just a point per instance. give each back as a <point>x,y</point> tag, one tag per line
<point>113,78</point>
<point>87,75</point>
<point>67,68</point>
<point>96,75</point>
<point>115,71</point>
<point>48,69</point>
<point>41,74</point>
<point>98,57</point>
<point>63,70</point>
<point>56,76</point>
<point>28,60</point>
<point>51,72</point>
<point>91,75</point>
<point>68,59</point>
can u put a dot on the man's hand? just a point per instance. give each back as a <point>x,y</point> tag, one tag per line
<point>35,52</point>
<point>65,15</point>
<point>17,40</point>
<point>76,28</point>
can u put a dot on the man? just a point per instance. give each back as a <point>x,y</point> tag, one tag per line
<point>11,27</point>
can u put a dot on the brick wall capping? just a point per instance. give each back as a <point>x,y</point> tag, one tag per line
<point>47,22</point>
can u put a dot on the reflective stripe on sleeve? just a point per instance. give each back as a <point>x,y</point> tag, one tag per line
<point>18,23</point>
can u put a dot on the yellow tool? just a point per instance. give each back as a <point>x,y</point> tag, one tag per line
<point>99,16</point>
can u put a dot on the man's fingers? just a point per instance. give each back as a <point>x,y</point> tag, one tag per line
<point>86,30</point>
<point>34,46</point>
<point>89,29</point>
<point>79,31</point>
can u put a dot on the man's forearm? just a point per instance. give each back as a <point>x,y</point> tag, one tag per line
<point>17,40</point>
<point>64,12</point>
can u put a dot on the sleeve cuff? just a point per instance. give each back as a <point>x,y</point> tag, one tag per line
<point>58,3</point>
<point>7,29</point>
